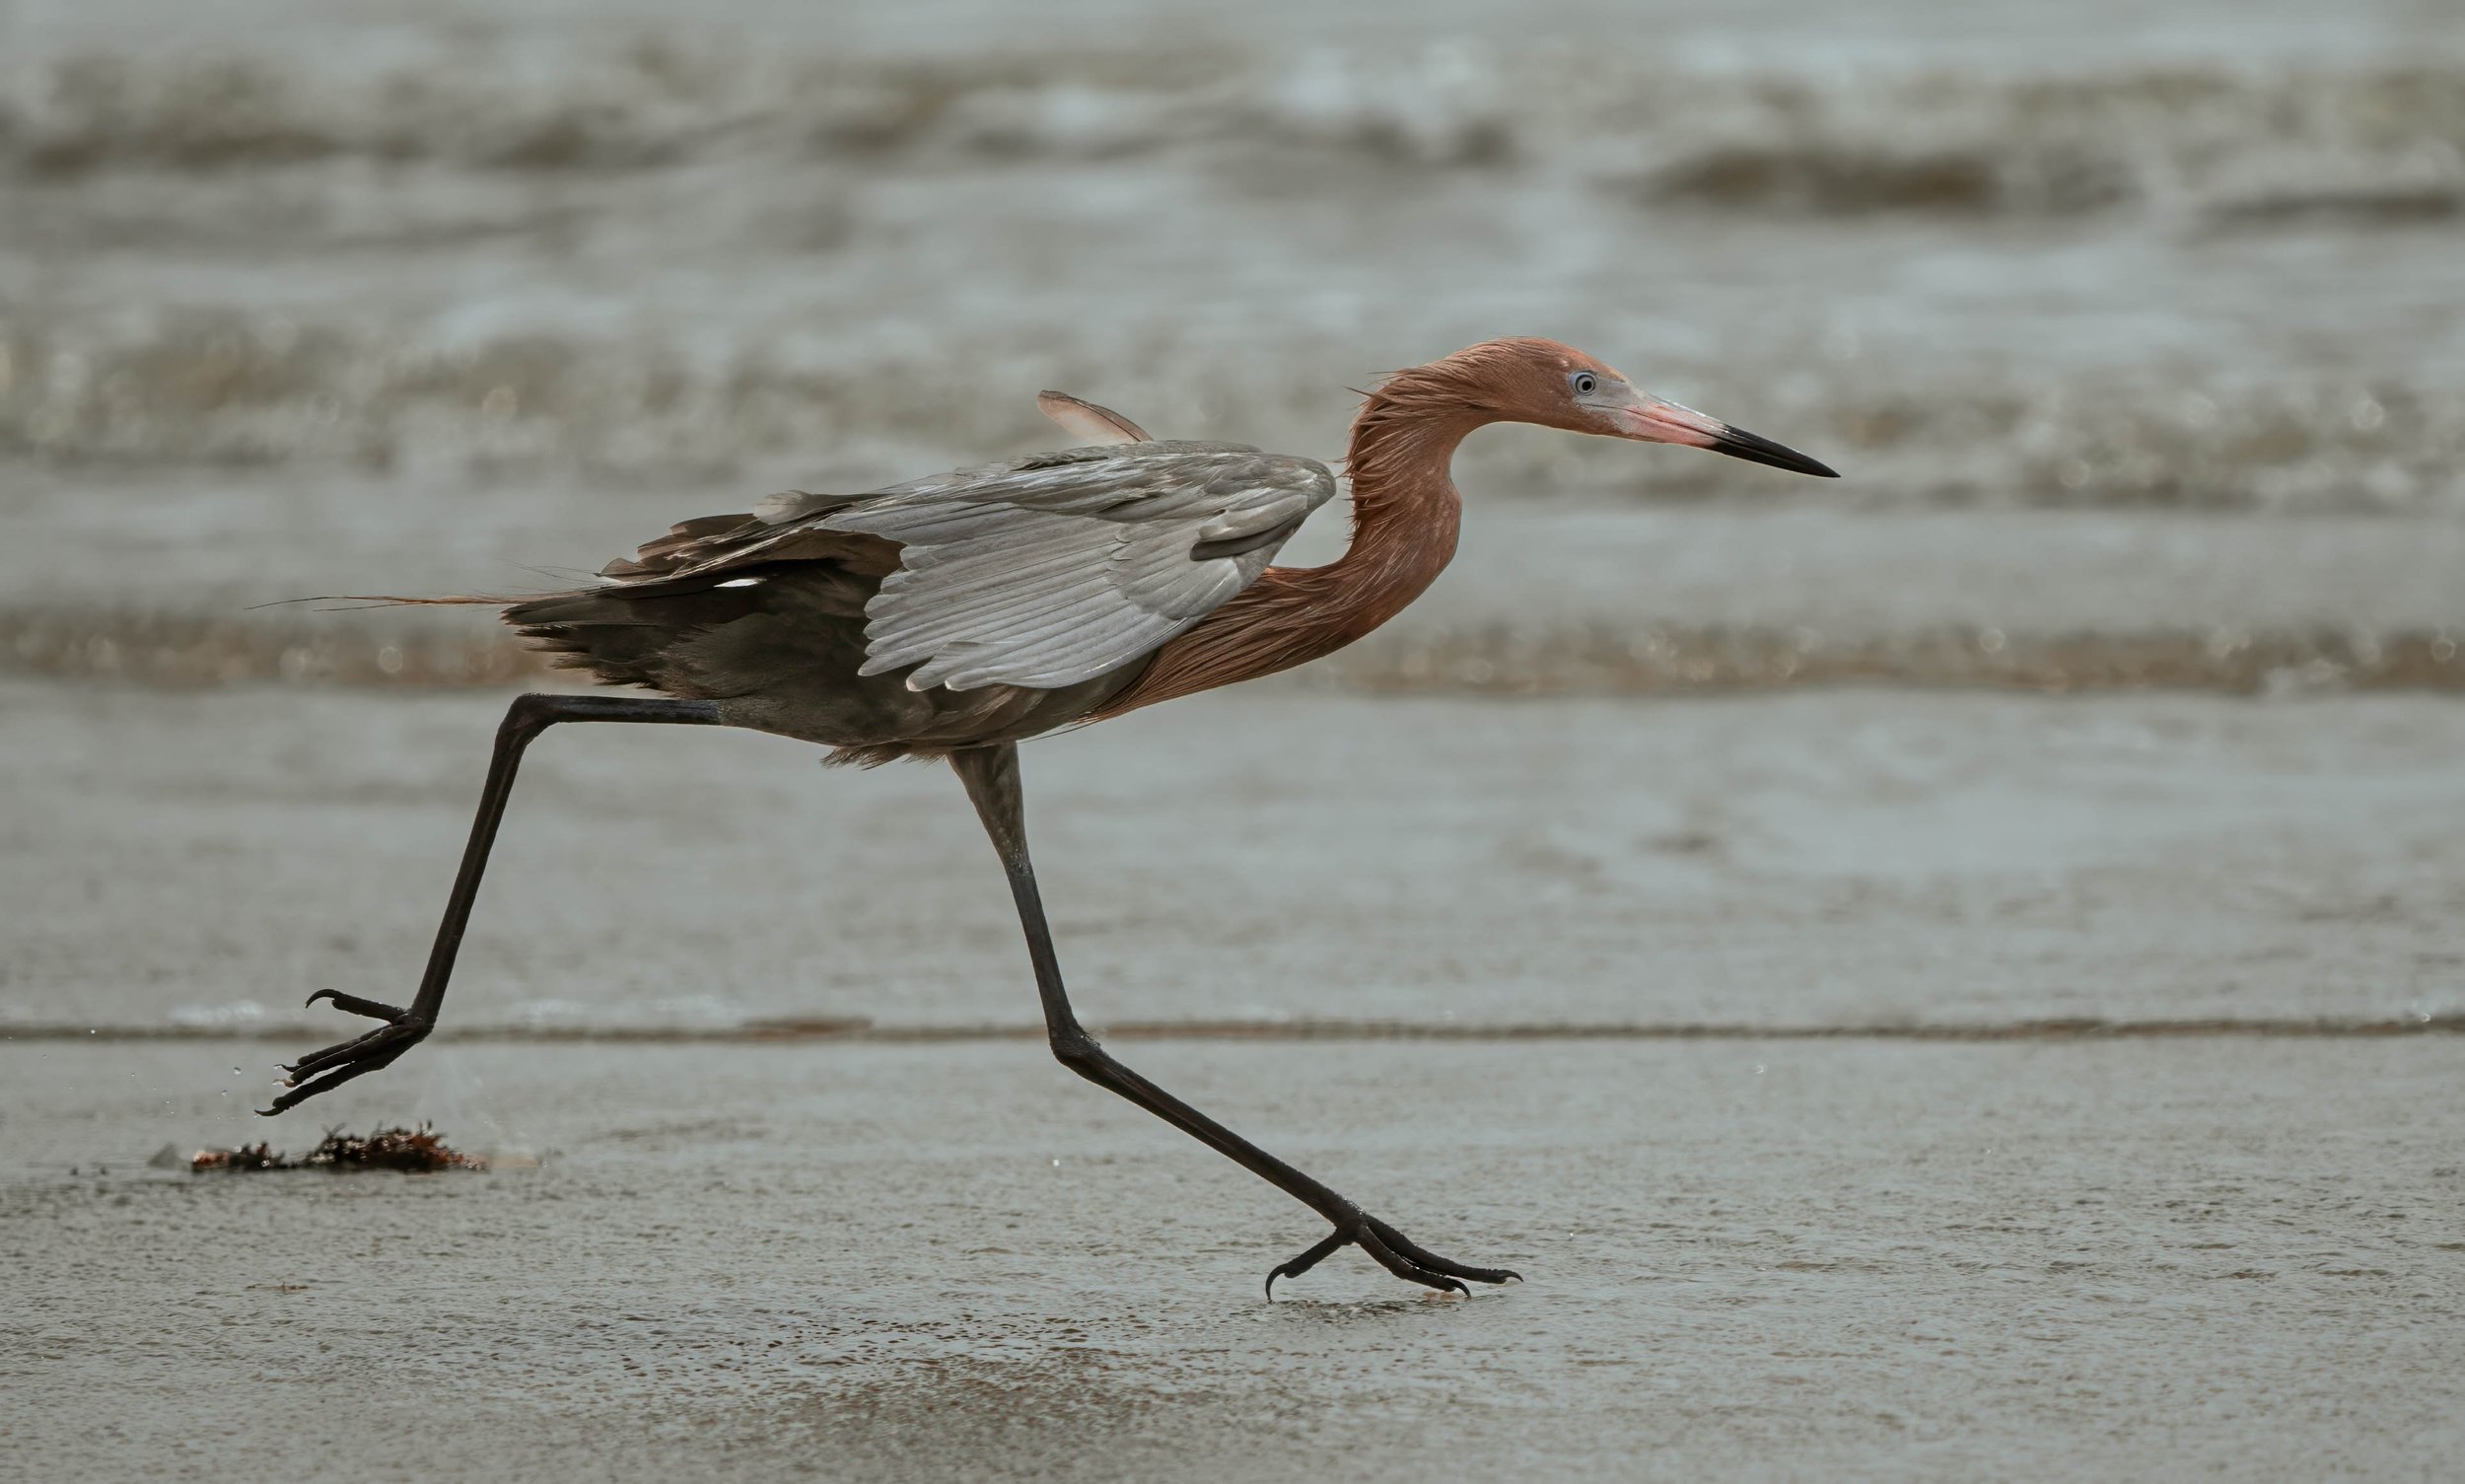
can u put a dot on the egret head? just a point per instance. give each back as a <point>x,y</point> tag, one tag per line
<point>1559,386</point>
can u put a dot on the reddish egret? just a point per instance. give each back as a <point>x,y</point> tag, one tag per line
<point>957,615</point>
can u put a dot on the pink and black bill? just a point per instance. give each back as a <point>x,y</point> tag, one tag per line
<point>1657,421</point>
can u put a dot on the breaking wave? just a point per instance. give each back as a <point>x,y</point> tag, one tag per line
<point>224,389</point>
<point>149,192</point>
<point>2242,146</point>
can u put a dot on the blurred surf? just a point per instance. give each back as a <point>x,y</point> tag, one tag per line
<point>426,298</point>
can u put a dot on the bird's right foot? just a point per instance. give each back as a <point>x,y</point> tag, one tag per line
<point>324,1070</point>
<point>1393,1252</point>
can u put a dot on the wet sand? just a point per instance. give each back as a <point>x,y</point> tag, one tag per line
<point>1824,857</point>
<point>958,1262</point>
<point>863,1259</point>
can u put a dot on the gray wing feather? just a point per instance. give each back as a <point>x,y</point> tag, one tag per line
<point>1056,569</point>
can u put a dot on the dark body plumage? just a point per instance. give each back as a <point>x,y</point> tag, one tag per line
<point>766,612</point>
<point>781,655</point>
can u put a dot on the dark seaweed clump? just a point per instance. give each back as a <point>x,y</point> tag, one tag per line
<point>419,1151</point>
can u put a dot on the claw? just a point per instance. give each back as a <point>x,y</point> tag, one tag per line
<point>374,1010</point>
<point>1396,1253</point>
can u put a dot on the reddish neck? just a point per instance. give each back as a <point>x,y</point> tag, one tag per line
<point>1405,517</point>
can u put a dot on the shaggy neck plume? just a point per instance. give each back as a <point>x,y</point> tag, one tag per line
<point>1406,513</point>
<point>1405,519</point>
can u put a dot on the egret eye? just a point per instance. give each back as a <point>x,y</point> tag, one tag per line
<point>1584,383</point>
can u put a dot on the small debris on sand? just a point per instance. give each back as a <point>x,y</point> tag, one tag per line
<point>420,1151</point>
<point>252,1157</point>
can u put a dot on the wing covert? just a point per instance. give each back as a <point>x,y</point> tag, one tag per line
<point>1062,567</point>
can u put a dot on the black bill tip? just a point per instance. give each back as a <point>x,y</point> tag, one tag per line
<point>1737,443</point>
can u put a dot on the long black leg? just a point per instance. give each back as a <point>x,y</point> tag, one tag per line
<point>991,775</point>
<point>529,716</point>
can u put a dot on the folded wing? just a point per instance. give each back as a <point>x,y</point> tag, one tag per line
<point>1053,570</point>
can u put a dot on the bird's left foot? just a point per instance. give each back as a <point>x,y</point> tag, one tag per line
<point>324,1070</point>
<point>1395,1253</point>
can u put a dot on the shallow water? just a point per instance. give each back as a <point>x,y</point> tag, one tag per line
<point>1974,254</point>
<point>295,300</point>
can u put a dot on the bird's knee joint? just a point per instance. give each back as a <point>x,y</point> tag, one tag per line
<point>1075,1049</point>
<point>527,717</point>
